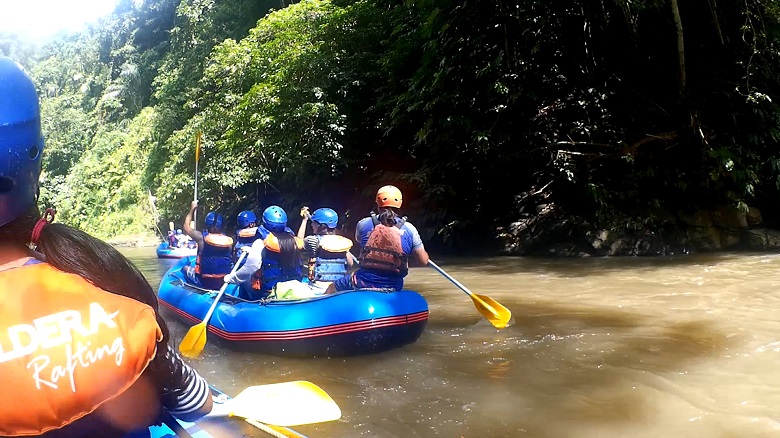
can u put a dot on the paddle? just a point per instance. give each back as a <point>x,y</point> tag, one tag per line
<point>195,339</point>
<point>155,215</point>
<point>491,309</point>
<point>281,404</point>
<point>275,431</point>
<point>197,158</point>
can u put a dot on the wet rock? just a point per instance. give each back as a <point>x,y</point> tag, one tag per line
<point>762,238</point>
<point>753,216</point>
<point>729,217</point>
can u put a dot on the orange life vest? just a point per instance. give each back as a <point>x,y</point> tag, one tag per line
<point>247,232</point>
<point>383,251</point>
<point>66,347</point>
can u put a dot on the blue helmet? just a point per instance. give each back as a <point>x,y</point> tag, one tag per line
<point>246,218</point>
<point>213,219</point>
<point>21,141</point>
<point>274,218</point>
<point>178,231</point>
<point>326,216</point>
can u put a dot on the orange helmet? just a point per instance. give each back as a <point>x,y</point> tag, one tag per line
<point>389,196</point>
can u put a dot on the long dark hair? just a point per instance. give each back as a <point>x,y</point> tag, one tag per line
<point>387,216</point>
<point>76,252</point>
<point>323,229</point>
<point>289,254</point>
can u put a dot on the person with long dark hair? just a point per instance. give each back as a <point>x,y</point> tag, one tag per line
<point>83,348</point>
<point>388,243</point>
<point>275,259</point>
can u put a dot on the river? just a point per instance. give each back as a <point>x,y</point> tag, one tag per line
<point>684,346</point>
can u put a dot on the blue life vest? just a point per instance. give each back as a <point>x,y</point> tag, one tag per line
<point>330,258</point>
<point>263,233</point>
<point>271,271</point>
<point>215,260</point>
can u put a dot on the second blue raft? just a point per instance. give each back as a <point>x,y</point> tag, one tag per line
<point>165,251</point>
<point>343,324</point>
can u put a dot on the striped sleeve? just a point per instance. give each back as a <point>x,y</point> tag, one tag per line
<point>193,393</point>
<point>310,244</point>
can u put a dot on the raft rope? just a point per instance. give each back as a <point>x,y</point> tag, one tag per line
<point>275,431</point>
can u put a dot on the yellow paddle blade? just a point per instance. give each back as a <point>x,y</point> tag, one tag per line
<point>197,146</point>
<point>492,310</point>
<point>285,404</point>
<point>194,341</point>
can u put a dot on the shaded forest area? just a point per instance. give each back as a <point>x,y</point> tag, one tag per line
<point>503,122</point>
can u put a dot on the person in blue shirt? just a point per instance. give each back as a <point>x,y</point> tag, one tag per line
<point>388,244</point>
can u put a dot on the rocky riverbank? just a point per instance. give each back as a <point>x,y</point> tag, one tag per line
<point>551,232</point>
<point>135,240</point>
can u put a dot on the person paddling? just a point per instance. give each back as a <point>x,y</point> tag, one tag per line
<point>327,253</point>
<point>215,251</point>
<point>388,243</point>
<point>275,259</point>
<point>85,351</point>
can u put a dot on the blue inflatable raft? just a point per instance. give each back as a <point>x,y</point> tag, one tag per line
<point>343,324</point>
<point>164,251</point>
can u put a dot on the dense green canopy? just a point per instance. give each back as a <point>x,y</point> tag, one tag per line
<point>483,113</point>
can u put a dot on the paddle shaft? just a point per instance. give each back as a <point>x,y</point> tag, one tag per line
<point>156,215</point>
<point>492,310</point>
<point>195,339</point>
<point>195,195</point>
<point>275,431</point>
<point>223,288</point>
<point>449,277</point>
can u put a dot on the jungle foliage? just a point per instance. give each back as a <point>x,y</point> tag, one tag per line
<point>481,112</point>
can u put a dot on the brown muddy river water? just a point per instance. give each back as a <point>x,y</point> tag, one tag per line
<point>684,346</point>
